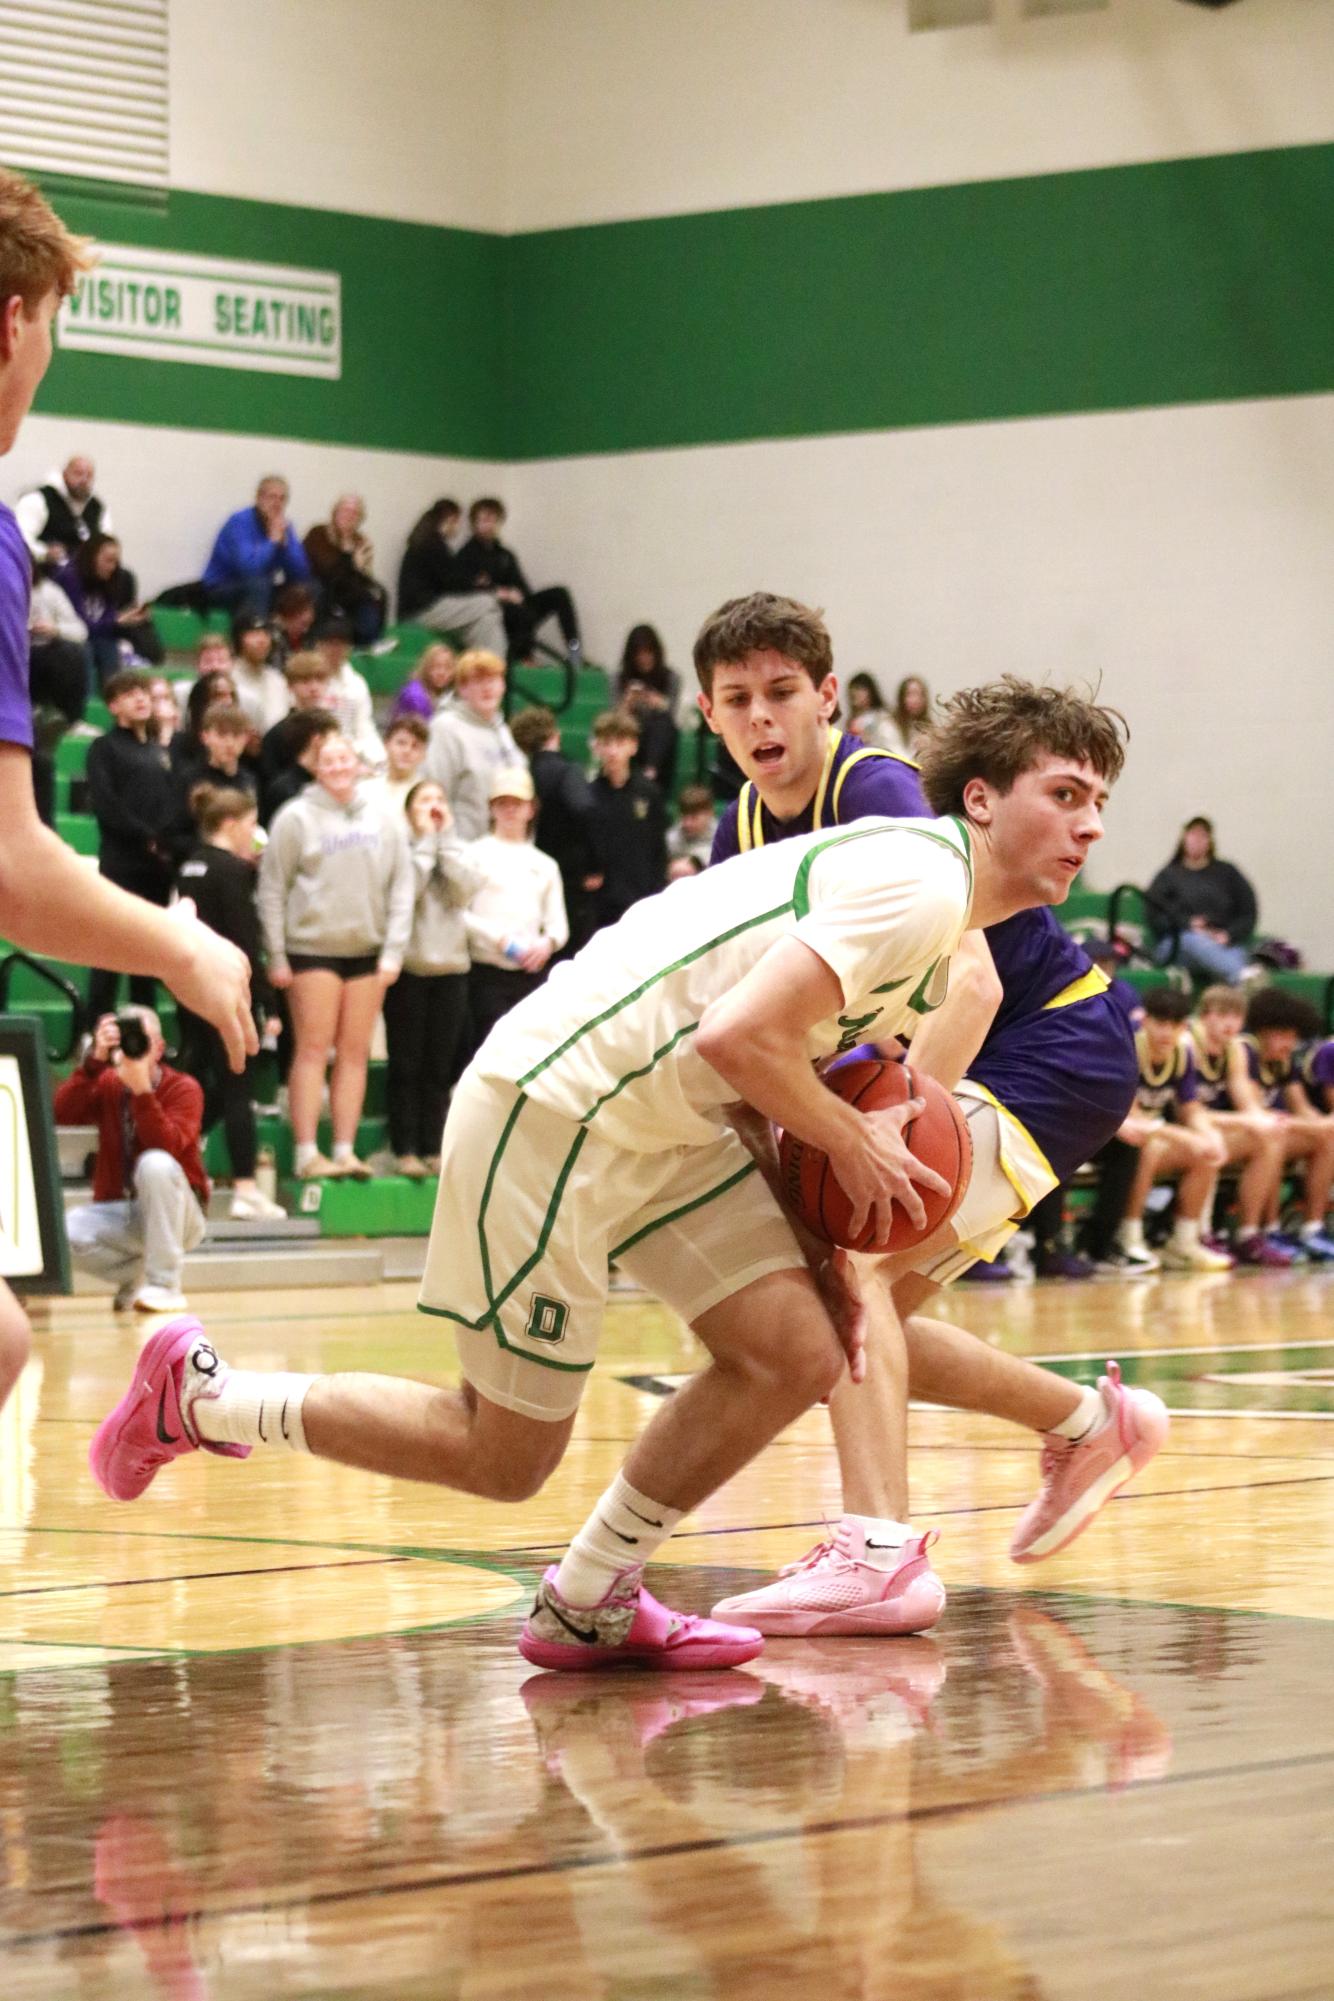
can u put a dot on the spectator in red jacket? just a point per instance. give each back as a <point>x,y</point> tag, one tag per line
<point>150,1190</point>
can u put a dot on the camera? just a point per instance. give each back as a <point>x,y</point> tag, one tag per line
<point>134,1041</point>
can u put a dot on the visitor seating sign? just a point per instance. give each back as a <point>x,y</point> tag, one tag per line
<point>164,305</point>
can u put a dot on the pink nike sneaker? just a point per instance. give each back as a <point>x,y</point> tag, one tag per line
<point>150,1426</point>
<point>834,1591</point>
<point>1080,1477</point>
<point>627,1628</point>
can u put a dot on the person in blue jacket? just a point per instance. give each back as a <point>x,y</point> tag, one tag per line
<point>257,551</point>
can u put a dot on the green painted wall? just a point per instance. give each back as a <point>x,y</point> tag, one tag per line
<point>1184,282</point>
<point>422,364</point>
<point>1180,282</point>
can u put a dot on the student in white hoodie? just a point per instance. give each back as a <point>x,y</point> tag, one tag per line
<point>471,741</point>
<point>350,695</point>
<point>516,914</point>
<point>335,902</point>
<point>426,1009</point>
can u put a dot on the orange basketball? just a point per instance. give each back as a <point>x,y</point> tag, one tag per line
<point>938,1137</point>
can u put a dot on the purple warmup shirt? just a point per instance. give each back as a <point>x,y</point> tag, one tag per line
<point>1315,1065</point>
<point>15,592</point>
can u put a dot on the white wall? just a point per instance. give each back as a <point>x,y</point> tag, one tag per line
<point>1182,556</point>
<point>169,491</point>
<point>664,106</point>
<point>381,109</point>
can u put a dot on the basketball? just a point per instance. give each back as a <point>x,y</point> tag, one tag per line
<point>938,1137</point>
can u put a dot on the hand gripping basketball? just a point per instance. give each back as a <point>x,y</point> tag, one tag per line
<point>937,1137</point>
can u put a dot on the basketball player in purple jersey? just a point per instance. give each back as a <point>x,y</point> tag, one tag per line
<point>1044,1063</point>
<point>49,901</point>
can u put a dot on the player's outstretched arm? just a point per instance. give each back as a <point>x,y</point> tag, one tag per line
<point>52,903</point>
<point>755,1038</point>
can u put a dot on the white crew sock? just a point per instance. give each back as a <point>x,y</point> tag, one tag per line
<point>306,1151</point>
<point>1245,1231</point>
<point>1185,1233</point>
<point>1089,1415</point>
<point>1316,1229</point>
<point>1130,1236</point>
<point>247,1407</point>
<point>625,1529</point>
<point>883,1539</point>
<point>342,1149</point>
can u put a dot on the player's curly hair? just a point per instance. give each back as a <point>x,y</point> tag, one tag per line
<point>37,253</point>
<point>1274,1007</point>
<point>1000,730</point>
<point>763,623</point>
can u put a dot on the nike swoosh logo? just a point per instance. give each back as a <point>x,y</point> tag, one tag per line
<point>167,1437</point>
<point>651,1520</point>
<point>882,1545</point>
<point>587,1634</point>
<point>633,1540</point>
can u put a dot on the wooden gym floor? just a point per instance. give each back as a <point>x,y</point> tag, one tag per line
<point>265,1733</point>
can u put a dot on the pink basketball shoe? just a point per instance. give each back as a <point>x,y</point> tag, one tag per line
<point>835,1591</point>
<point>627,1628</point>
<point>150,1426</point>
<point>1080,1477</point>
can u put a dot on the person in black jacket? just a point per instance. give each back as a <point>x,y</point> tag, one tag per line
<point>434,587</point>
<point>1202,910</point>
<point>490,566</point>
<point>219,877</point>
<point>564,827</point>
<point>629,821</point>
<point>133,793</point>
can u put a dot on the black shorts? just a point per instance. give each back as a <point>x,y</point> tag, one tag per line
<point>329,962</point>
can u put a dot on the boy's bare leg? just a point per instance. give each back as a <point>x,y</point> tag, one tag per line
<point>870,1418</point>
<point>949,1366</point>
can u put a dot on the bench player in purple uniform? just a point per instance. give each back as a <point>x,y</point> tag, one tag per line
<point>49,902</point>
<point>1276,1023</point>
<point>1049,1084</point>
<point>1314,1067</point>
<point>1175,1135</point>
<point>1251,1137</point>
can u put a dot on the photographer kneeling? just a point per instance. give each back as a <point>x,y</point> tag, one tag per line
<point>149,1185</point>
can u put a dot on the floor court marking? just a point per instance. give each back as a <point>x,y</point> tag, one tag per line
<point>195,1576</point>
<point>943,1810</point>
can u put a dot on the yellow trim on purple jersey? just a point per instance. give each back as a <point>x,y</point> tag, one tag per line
<point>1023,1163</point>
<point>750,807</point>
<point>1094,981</point>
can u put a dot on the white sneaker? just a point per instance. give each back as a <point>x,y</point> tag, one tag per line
<point>1139,1257</point>
<point>159,1299</point>
<point>256,1208</point>
<point>1193,1257</point>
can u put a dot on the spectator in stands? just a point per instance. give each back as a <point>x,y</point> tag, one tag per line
<point>150,1192</point>
<point>432,685</point>
<point>219,876</point>
<point>293,624</point>
<point>405,752</point>
<point>516,913</point>
<point>57,517</point>
<point>256,552</point>
<point>564,825</point>
<point>342,560</point>
<point>911,714</point>
<point>349,692</point>
<point>1276,1023</point>
<point>59,672</point>
<point>1174,1135</point>
<point>261,688</point>
<point>109,601</point>
<point>868,718</point>
<point>206,692</point>
<point>694,831</point>
<point>490,566</point>
<point>434,587</point>
<point>307,678</point>
<point>165,721</point>
<point>629,822</point>
<point>133,795</point>
<point>1202,910</point>
<point>224,732</point>
<point>650,690</point>
<point>426,1009</point>
<point>470,741</point>
<point>213,655</point>
<point>335,901</point>
<point>303,732</point>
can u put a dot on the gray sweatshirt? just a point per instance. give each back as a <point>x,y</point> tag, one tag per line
<point>463,756</point>
<point>335,880</point>
<point>445,879</point>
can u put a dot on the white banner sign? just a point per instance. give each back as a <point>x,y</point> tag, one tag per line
<point>165,306</point>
